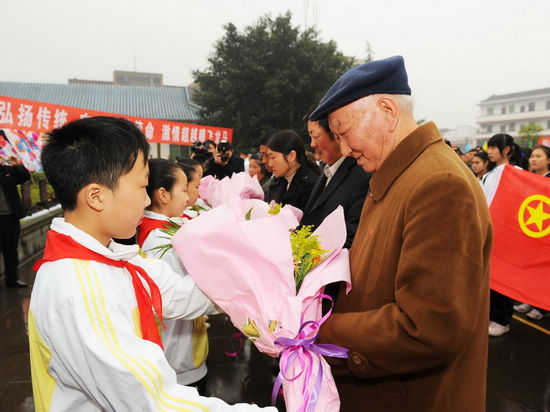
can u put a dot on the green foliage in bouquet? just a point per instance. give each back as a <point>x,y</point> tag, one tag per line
<point>306,253</point>
<point>170,229</point>
<point>198,208</point>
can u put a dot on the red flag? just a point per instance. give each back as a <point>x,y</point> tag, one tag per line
<point>520,261</point>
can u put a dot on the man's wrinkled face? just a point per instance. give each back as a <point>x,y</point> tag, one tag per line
<point>326,149</point>
<point>361,129</point>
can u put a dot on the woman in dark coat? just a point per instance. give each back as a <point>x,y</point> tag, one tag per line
<point>295,175</point>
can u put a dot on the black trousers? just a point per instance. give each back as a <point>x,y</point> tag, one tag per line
<point>10,230</point>
<point>501,308</point>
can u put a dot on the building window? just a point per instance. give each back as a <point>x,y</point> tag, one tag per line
<point>532,106</point>
<point>489,128</point>
<point>502,128</point>
<point>503,110</point>
<point>548,124</point>
<point>489,111</point>
<point>522,108</point>
<point>547,104</point>
<point>511,108</point>
<point>511,127</point>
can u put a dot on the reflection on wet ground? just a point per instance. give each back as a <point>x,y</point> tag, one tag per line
<point>518,377</point>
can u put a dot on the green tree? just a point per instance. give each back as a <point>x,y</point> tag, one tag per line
<point>529,134</point>
<point>266,78</point>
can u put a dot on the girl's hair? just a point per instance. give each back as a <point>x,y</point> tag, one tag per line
<point>189,162</point>
<point>485,157</point>
<point>258,158</point>
<point>162,173</point>
<point>287,140</point>
<point>545,149</point>
<point>501,141</point>
<point>189,170</point>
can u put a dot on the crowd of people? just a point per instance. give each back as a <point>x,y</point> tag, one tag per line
<point>418,229</point>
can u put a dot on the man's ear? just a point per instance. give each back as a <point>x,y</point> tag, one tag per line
<point>391,112</point>
<point>94,195</point>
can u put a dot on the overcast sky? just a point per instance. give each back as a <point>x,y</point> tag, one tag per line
<point>456,52</point>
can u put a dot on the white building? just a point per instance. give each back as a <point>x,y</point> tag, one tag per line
<point>507,113</point>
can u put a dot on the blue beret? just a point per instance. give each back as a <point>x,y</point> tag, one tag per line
<point>387,76</point>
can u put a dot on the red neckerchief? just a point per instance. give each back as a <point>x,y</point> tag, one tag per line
<point>60,246</point>
<point>147,226</point>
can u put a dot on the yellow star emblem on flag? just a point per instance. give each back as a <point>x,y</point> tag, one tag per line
<point>534,206</point>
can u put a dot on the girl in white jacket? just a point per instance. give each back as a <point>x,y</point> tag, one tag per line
<point>185,341</point>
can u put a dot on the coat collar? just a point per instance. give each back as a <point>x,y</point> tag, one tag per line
<point>401,158</point>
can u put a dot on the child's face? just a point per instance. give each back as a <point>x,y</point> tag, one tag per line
<point>193,190</point>
<point>124,206</point>
<point>178,196</point>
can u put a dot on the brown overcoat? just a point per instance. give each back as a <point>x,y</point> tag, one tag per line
<point>416,319</point>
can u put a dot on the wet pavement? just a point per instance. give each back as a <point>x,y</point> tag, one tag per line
<point>518,377</point>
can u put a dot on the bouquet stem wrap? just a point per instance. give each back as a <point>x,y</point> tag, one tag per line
<point>308,355</point>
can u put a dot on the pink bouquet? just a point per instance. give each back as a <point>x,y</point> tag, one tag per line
<point>240,255</point>
<point>238,186</point>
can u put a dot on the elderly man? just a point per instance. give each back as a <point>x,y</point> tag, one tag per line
<point>416,319</point>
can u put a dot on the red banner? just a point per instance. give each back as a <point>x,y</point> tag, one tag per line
<point>28,115</point>
<point>520,261</point>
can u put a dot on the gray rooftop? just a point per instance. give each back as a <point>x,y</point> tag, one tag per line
<point>166,103</point>
<point>527,93</point>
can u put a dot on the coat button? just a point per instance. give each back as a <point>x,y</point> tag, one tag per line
<point>356,359</point>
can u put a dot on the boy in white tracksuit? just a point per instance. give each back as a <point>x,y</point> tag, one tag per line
<point>94,344</point>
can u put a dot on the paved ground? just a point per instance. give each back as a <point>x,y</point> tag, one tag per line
<point>518,377</point>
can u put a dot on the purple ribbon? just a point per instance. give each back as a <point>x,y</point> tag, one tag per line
<point>306,352</point>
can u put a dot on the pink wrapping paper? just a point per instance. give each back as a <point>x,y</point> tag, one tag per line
<point>238,186</point>
<point>246,268</point>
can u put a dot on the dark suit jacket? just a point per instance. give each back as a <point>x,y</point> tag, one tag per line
<point>10,177</point>
<point>299,190</point>
<point>348,187</point>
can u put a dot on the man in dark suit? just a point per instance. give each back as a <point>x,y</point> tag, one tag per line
<point>11,210</point>
<point>342,183</point>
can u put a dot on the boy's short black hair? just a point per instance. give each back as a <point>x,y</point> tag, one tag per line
<point>91,150</point>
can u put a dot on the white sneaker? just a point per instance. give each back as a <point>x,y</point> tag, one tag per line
<point>535,314</point>
<point>496,329</point>
<point>522,307</point>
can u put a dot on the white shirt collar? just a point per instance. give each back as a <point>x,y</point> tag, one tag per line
<point>330,171</point>
<point>154,215</point>
<point>114,251</point>
<point>289,179</point>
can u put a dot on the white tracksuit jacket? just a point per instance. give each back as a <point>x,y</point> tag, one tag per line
<point>86,349</point>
